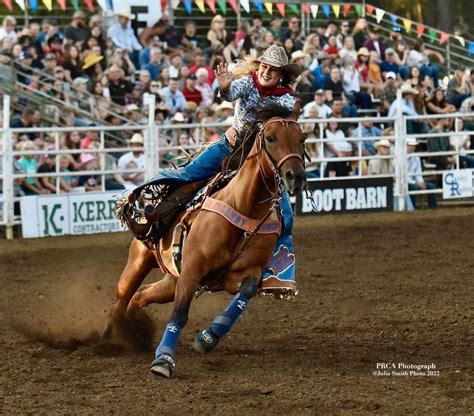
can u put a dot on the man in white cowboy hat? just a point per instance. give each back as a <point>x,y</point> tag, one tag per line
<point>136,155</point>
<point>122,34</point>
<point>377,165</point>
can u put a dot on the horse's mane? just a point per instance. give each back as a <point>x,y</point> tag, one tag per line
<point>270,110</point>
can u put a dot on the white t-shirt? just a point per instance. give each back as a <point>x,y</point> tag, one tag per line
<point>416,58</point>
<point>350,80</point>
<point>5,34</point>
<point>130,157</point>
<point>323,110</point>
<point>337,139</point>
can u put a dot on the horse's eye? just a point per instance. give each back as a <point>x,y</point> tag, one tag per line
<point>269,139</point>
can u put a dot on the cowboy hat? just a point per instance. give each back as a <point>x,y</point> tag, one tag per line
<point>382,143</point>
<point>223,106</point>
<point>363,51</point>
<point>136,139</point>
<point>412,142</point>
<point>125,13</point>
<point>297,55</point>
<point>91,60</point>
<point>408,89</point>
<point>276,56</point>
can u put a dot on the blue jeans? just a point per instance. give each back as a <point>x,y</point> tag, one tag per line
<point>432,200</point>
<point>207,163</point>
<point>432,71</point>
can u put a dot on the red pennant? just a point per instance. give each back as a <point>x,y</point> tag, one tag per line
<point>164,3</point>
<point>346,9</point>
<point>370,9</point>
<point>306,8</point>
<point>420,29</point>
<point>90,5</point>
<point>8,3</point>
<point>444,37</point>
<point>62,4</point>
<point>233,4</point>
<point>281,8</point>
<point>212,5</point>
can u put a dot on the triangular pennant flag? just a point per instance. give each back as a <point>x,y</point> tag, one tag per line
<point>33,5</point>
<point>75,4</point>
<point>407,24</point>
<point>461,40</point>
<point>90,5</point>
<point>48,4</point>
<point>269,6</point>
<point>62,4</point>
<point>420,29</point>
<point>175,4</point>
<point>233,4</point>
<point>305,7</point>
<point>393,19</point>
<point>259,6</point>
<point>102,4</point>
<point>346,9</point>
<point>336,8</point>
<point>326,9</point>
<point>281,8</point>
<point>188,5</point>
<point>245,5</point>
<point>358,8</point>
<point>9,5</point>
<point>164,3</point>
<point>212,5</point>
<point>21,4</point>
<point>433,35</point>
<point>222,5</point>
<point>471,48</point>
<point>200,5</point>
<point>314,10</point>
<point>370,9</point>
<point>294,8</point>
<point>379,14</point>
<point>444,37</point>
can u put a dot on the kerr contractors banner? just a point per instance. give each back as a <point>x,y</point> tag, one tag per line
<point>352,195</point>
<point>43,216</point>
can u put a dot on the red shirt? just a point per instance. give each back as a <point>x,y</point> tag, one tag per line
<point>210,79</point>
<point>194,96</point>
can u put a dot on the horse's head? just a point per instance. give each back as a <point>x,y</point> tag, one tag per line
<point>282,140</point>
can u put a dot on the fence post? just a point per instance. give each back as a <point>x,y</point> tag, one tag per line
<point>150,138</point>
<point>8,181</point>
<point>400,166</point>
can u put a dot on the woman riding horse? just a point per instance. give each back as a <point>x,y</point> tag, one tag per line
<point>253,83</point>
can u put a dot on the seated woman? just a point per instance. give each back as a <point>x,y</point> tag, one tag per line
<point>268,79</point>
<point>437,104</point>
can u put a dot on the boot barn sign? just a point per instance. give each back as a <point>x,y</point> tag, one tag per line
<point>352,195</point>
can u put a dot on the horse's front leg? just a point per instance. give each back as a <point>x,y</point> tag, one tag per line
<point>208,339</point>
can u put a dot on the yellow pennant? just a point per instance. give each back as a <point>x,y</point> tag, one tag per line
<point>48,4</point>
<point>200,4</point>
<point>407,23</point>
<point>336,8</point>
<point>269,6</point>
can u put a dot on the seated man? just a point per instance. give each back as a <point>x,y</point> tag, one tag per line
<point>367,129</point>
<point>123,37</point>
<point>440,144</point>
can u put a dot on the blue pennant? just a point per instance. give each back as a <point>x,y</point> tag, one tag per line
<point>326,9</point>
<point>188,4</point>
<point>33,5</point>
<point>111,4</point>
<point>393,19</point>
<point>471,48</point>
<point>259,6</point>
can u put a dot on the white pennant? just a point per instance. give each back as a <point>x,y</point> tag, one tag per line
<point>102,4</point>
<point>175,4</point>
<point>314,10</point>
<point>461,40</point>
<point>21,4</point>
<point>379,13</point>
<point>246,5</point>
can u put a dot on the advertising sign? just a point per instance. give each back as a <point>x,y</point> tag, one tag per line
<point>457,184</point>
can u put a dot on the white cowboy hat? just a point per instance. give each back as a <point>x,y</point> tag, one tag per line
<point>136,139</point>
<point>297,55</point>
<point>125,13</point>
<point>412,142</point>
<point>276,56</point>
<point>179,118</point>
<point>223,106</point>
<point>382,143</point>
<point>408,89</point>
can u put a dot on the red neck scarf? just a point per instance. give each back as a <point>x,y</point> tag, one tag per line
<point>277,91</point>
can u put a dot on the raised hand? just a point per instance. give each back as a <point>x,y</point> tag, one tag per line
<point>224,76</point>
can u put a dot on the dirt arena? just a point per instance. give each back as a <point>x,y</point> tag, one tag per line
<point>378,288</point>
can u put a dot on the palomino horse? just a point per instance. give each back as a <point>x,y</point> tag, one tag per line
<point>216,250</point>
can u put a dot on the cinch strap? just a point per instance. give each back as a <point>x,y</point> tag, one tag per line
<point>239,220</point>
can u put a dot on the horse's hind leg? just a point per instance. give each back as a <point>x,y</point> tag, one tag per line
<point>208,339</point>
<point>159,292</point>
<point>140,263</point>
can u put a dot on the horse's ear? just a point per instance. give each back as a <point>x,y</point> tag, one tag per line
<point>296,110</point>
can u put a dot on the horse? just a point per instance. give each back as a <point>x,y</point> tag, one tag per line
<point>218,252</point>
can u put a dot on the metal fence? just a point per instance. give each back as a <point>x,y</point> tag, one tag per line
<point>162,140</point>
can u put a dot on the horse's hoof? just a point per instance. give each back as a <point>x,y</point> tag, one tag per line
<point>205,341</point>
<point>163,366</point>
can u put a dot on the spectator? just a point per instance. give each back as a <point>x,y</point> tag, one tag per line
<point>419,57</point>
<point>7,30</point>
<point>321,108</point>
<point>55,46</point>
<point>294,33</point>
<point>27,119</point>
<point>136,155</point>
<point>336,168</point>
<point>407,106</point>
<point>172,98</point>
<point>457,91</point>
<point>231,51</point>
<point>375,44</point>
<point>375,75</point>
<point>440,144</point>
<point>176,63</point>
<point>437,104</point>
<point>334,83</point>
<point>389,64</point>
<point>190,92</point>
<point>122,35</point>
<point>50,62</point>
<point>415,177</point>
<point>344,32</point>
<point>199,62</point>
<point>165,77</point>
<point>462,143</point>
<point>276,27</point>
<point>29,165</point>
<point>91,183</point>
<point>189,41</point>
<point>66,182</point>
<point>202,85</point>
<point>331,48</point>
<point>351,83</point>
<point>257,28</point>
<point>348,49</point>
<point>401,58</point>
<point>362,65</point>
<point>77,32</point>
<point>48,166</point>
<point>217,35</point>
<point>335,139</point>
<point>360,32</point>
<point>367,129</point>
<point>379,166</point>
<point>389,92</point>
<point>118,86</point>
<point>96,34</point>
<point>72,64</point>
<point>155,65</point>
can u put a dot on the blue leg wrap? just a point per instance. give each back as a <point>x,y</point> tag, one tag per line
<point>170,340</point>
<point>224,322</point>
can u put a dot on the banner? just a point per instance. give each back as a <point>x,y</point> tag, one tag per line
<point>457,184</point>
<point>352,195</point>
<point>44,216</point>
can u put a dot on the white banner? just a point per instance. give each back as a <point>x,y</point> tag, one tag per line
<point>457,184</point>
<point>43,216</point>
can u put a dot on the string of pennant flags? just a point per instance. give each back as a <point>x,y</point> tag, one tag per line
<point>268,6</point>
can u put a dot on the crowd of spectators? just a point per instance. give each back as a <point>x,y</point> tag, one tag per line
<point>112,73</point>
